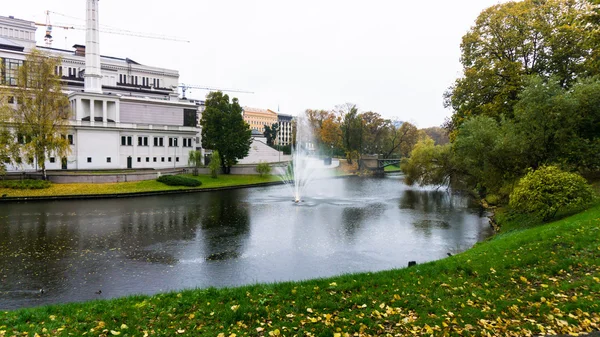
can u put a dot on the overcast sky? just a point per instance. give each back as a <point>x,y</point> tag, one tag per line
<point>393,57</point>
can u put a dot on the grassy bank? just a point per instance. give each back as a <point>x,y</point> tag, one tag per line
<point>535,281</point>
<point>137,186</point>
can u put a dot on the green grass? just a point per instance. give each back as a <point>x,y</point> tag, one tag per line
<point>136,187</point>
<point>542,280</point>
<point>392,168</point>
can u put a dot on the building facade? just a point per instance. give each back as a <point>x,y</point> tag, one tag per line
<point>258,118</point>
<point>284,135</point>
<point>124,114</point>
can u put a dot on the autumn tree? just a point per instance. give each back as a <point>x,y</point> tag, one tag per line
<point>331,133</point>
<point>400,141</point>
<point>224,129</point>
<point>376,128</point>
<point>40,119</point>
<point>9,150</point>
<point>513,40</point>
<point>438,134</point>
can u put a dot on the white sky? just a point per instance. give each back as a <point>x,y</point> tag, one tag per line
<point>393,57</point>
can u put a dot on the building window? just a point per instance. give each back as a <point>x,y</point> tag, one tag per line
<point>108,159</point>
<point>162,159</point>
<point>139,159</point>
<point>10,71</point>
<point>173,141</point>
<point>142,141</point>
<point>52,160</point>
<point>147,159</point>
<point>126,140</point>
<point>89,159</point>
<point>70,138</point>
<point>159,141</point>
<point>177,159</point>
<point>154,160</point>
<point>170,159</point>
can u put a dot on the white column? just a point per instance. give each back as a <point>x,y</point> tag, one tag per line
<point>118,111</point>
<point>93,73</point>
<point>92,111</point>
<point>104,112</point>
<point>78,109</point>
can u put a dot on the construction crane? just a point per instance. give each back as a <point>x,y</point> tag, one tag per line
<point>103,29</point>
<point>48,37</point>
<point>185,87</point>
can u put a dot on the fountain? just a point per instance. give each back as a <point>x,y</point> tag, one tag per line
<point>306,165</point>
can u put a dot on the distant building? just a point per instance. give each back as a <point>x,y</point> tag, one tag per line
<point>258,118</point>
<point>284,136</point>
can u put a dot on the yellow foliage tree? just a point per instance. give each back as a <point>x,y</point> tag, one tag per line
<point>40,119</point>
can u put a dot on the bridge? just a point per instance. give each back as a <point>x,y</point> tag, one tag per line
<point>373,163</point>
<point>381,163</point>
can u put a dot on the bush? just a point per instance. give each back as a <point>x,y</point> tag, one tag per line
<point>179,181</point>
<point>548,190</point>
<point>215,164</point>
<point>263,169</point>
<point>26,184</point>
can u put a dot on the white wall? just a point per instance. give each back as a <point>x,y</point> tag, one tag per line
<point>98,145</point>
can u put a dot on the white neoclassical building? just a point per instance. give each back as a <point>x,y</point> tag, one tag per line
<point>124,114</point>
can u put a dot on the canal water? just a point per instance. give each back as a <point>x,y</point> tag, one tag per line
<point>97,249</point>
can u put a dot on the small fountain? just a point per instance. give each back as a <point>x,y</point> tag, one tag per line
<point>306,165</point>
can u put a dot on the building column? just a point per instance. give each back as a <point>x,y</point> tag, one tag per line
<point>78,109</point>
<point>117,111</point>
<point>104,112</point>
<point>92,111</point>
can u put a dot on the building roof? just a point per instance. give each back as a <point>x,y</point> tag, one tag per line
<point>10,45</point>
<point>72,52</point>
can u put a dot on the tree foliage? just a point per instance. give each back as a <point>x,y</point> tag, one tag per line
<point>430,164</point>
<point>215,164</point>
<point>263,169</point>
<point>271,133</point>
<point>546,191</point>
<point>195,160</point>
<point>40,121</point>
<point>224,129</point>
<point>513,40</point>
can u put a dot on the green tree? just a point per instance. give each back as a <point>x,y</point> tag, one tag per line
<point>431,164</point>
<point>224,129</point>
<point>195,160</point>
<point>352,131</point>
<point>513,40</point>
<point>215,164</point>
<point>271,133</point>
<point>41,116</point>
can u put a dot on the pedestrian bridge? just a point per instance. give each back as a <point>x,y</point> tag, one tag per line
<point>373,163</point>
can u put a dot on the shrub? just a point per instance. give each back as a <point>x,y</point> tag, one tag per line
<point>215,164</point>
<point>263,169</point>
<point>179,181</point>
<point>26,184</point>
<point>548,190</point>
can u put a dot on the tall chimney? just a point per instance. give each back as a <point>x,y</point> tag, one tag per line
<point>93,74</point>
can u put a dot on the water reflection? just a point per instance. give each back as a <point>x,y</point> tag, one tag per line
<point>225,226</point>
<point>146,245</point>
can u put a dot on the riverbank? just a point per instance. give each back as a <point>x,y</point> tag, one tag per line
<point>135,188</point>
<point>542,280</point>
